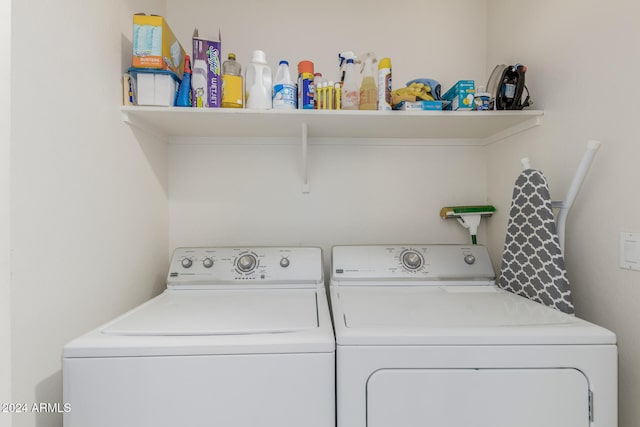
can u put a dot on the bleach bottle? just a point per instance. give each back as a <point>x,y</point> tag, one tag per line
<point>258,82</point>
<point>285,93</point>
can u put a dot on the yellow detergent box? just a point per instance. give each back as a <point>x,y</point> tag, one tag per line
<point>155,46</point>
<point>461,95</point>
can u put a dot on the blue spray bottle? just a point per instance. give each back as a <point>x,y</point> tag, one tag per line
<point>184,92</point>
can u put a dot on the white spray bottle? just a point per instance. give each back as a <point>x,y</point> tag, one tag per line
<point>350,92</point>
<point>342,66</point>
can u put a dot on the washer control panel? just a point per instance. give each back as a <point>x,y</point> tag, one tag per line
<point>468,264</point>
<point>282,266</point>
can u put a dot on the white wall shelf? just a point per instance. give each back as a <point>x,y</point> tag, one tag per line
<point>464,127</point>
<point>178,125</point>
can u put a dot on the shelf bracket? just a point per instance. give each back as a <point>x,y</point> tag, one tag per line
<point>528,124</point>
<point>305,159</point>
<point>141,125</point>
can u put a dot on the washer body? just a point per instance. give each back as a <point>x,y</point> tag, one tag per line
<point>424,337</point>
<point>241,337</point>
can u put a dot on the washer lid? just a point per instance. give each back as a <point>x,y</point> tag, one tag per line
<point>453,315</point>
<point>220,312</point>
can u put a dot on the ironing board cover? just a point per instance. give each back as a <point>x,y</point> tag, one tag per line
<point>532,262</point>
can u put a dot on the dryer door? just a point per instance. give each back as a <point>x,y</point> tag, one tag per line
<point>478,397</point>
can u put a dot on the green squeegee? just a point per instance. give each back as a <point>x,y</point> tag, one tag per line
<point>468,216</point>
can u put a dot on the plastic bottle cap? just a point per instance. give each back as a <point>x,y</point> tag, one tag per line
<point>284,62</point>
<point>384,63</point>
<point>305,67</point>
<point>232,56</point>
<point>259,57</point>
<point>187,64</point>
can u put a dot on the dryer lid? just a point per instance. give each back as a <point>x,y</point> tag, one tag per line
<point>220,312</point>
<point>456,315</point>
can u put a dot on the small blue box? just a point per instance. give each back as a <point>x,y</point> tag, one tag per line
<point>422,106</point>
<point>461,95</point>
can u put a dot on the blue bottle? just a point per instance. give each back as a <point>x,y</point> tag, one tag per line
<point>184,92</point>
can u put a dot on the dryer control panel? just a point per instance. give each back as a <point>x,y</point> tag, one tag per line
<point>237,266</point>
<point>355,265</point>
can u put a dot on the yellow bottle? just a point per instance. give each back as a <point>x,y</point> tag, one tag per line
<point>338,92</point>
<point>231,83</point>
<point>368,88</point>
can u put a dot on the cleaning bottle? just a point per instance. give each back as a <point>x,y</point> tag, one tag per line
<point>306,90</point>
<point>285,95</point>
<point>317,82</point>
<point>232,83</point>
<point>350,94</point>
<point>342,63</point>
<point>184,92</point>
<point>258,82</point>
<point>384,84</point>
<point>337,103</point>
<point>368,88</point>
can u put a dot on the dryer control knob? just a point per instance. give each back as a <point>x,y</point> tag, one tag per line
<point>246,263</point>
<point>412,260</point>
<point>469,259</point>
<point>284,262</point>
<point>207,262</point>
<point>186,262</point>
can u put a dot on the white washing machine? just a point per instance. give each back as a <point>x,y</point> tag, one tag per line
<point>241,337</point>
<point>425,338</point>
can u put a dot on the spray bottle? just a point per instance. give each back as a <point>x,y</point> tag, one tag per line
<point>342,66</point>
<point>350,93</point>
<point>368,88</point>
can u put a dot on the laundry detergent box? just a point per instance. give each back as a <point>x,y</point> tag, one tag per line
<point>461,95</point>
<point>206,72</point>
<point>155,46</point>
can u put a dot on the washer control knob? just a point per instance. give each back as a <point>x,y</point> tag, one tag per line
<point>284,262</point>
<point>207,262</point>
<point>246,263</point>
<point>469,259</point>
<point>412,260</point>
<point>186,262</point>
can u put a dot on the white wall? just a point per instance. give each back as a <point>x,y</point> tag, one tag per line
<point>5,191</point>
<point>250,194</point>
<point>89,198</point>
<point>417,35</point>
<point>582,64</point>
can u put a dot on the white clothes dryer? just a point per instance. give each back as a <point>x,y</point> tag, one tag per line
<point>425,338</point>
<point>240,337</point>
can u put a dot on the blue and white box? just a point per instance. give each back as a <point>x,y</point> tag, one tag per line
<point>461,95</point>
